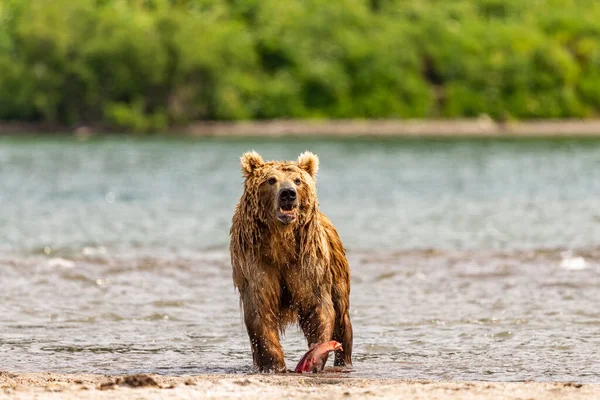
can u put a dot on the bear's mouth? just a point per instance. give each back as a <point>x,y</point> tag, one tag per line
<point>286,214</point>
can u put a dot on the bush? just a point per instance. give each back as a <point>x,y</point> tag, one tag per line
<point>143,65</point>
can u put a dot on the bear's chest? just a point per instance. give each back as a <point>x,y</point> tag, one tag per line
<point>280,251</point>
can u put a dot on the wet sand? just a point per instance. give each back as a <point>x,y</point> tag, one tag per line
<point>321,386</point>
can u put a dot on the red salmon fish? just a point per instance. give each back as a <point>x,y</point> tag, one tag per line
<point>313,359</point>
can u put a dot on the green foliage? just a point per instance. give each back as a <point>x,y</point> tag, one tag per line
<point>143,65</point>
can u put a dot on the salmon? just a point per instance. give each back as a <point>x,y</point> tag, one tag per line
<point>313,360</point>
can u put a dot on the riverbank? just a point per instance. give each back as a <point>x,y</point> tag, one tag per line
<point>322,386</point>
<point>482,127</point>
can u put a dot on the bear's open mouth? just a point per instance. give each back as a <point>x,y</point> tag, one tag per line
<point>286,215</point>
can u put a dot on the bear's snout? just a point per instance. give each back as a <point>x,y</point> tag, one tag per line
<point>286,200</point>
<point>287,195</point>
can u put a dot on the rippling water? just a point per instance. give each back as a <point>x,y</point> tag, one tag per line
<point>470,259</point>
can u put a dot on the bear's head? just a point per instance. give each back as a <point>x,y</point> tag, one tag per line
<point>280,193</point>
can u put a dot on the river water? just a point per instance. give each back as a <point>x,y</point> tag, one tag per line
<point>471,259</point>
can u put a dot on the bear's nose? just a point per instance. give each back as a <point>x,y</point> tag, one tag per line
<point>287,194</point>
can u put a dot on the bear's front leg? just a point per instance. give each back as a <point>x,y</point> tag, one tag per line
<point>317,324</point>
<point>263,330</point>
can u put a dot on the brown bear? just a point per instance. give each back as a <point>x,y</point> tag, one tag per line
<point>288,261</point>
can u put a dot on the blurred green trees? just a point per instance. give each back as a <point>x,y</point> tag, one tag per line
<point>147,64</point>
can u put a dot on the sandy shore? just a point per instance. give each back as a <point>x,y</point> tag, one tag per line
<point>477,127</point>
<point>264,387</point>
<point>480,127</point>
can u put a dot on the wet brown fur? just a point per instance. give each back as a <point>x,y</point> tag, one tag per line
<point>288,273</point>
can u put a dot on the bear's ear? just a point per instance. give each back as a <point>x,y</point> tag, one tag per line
<point>309,162</point>
<point>250,161</point>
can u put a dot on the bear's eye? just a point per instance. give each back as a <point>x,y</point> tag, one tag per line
<point>298,181</point>
<point>272,181</point>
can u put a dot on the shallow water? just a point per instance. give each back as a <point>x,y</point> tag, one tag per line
<point>470,259</point>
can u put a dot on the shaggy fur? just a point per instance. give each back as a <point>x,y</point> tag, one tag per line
<point>286,273</point>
